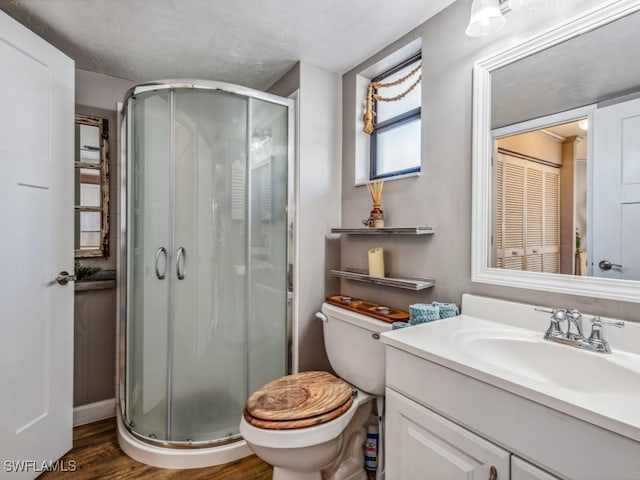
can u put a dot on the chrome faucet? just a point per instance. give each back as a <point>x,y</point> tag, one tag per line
<point>574,317</point>
<point>595,342</point>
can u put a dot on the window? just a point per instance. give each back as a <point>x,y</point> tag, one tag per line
<point>91,186</point>
<point>395,140</point>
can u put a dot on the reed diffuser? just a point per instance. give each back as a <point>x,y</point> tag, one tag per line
<point>376,217</point>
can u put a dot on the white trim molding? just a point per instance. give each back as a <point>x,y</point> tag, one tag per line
<point>94,412</point>
<point>615,289</point>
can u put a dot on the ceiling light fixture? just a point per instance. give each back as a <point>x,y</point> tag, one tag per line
<point>486,15</point>
<point>584,124</point>
<point>517,5</point>
<point>486,18</point>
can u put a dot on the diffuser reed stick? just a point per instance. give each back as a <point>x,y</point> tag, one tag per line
<point>375,190</point>
<point>376,217</point>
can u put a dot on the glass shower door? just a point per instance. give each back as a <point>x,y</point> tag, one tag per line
<point>148,286</point>
<point>206,259</point>
<point>267,282</point>
<point>209,376</point>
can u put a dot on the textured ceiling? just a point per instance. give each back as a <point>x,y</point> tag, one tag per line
<point>248,42</point>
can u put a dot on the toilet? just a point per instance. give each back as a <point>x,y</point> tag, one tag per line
<point>312,425</point>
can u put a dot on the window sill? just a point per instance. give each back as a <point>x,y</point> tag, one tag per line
<point>360,183</point>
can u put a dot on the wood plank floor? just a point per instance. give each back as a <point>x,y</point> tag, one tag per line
<point>98,456</point>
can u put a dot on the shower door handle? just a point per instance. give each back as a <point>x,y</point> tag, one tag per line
<point>181,258</point>
<point>159,252</point>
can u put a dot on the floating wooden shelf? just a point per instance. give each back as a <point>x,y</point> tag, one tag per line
<point>397,281</point>
<point>420,230</point>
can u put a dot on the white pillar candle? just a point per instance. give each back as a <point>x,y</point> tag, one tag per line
<point>376,262</point>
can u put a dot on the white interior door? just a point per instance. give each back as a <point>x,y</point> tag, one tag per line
<point>616,191</point>
<point>36,214</point>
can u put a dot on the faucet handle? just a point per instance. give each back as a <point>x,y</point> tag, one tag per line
<point>557,314</point>
<point>598,322</point>
<point>596,341</point>
<point>545,310</point>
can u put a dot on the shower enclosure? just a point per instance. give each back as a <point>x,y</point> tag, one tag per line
<point>205,255</point>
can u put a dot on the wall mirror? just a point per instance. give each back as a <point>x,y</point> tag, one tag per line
<point>91,186</point>
<point>556,157</point>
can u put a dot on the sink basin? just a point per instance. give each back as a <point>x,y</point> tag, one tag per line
<point>525,353</point>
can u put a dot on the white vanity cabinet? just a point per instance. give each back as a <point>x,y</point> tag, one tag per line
<point>424,445</point>
<point>522,470</point>
<point>444,425</point>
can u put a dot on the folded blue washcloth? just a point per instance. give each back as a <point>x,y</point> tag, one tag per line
<point>423,312</point>
<point>399,325</point>
<point>427,312</point>
<point>447,309</point>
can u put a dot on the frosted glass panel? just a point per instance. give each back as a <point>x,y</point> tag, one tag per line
<point>148,297</point>
<point>268,296</point>
<point>398,148</point>
<point>209,346</point>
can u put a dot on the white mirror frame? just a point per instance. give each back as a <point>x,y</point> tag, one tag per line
<point>482,144</point>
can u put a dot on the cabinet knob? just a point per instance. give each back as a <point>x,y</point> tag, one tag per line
<point>493,473</point>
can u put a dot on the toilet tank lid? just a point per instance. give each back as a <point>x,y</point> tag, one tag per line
<point>357,319</point>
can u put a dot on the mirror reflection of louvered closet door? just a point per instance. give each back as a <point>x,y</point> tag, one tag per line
<point>527,218</point>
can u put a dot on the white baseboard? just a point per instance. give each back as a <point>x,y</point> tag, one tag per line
<point>93,412</point>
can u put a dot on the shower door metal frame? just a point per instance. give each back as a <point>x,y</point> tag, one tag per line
<point>123,272</point>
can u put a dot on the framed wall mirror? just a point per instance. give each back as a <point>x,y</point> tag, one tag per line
<point>91,186</point>
<point>556,159</point>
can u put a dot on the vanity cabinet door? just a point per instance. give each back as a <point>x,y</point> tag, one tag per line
<point>422,444</point>
<point>521,470</point>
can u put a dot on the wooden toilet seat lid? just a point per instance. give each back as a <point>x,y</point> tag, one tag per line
<point>299,396</point>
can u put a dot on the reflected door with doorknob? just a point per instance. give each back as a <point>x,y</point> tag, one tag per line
<point>615,234</point>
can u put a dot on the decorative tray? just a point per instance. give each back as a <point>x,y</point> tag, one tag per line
<point>381,312</point>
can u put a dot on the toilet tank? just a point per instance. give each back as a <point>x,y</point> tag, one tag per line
<point>352,346</point>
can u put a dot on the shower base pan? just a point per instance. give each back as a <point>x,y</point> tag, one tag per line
<point>181,458</point>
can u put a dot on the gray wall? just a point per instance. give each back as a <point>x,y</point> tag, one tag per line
<point>441,196</point>
<point>95,311</point>
<point>288,84</point>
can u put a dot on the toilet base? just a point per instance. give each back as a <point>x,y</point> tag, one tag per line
<point>284,474</point>
<point>349,464</point>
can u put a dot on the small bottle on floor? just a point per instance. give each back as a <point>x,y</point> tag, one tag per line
<point>371,451</point>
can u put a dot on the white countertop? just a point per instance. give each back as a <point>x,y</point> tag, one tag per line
<point>602,389</point>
